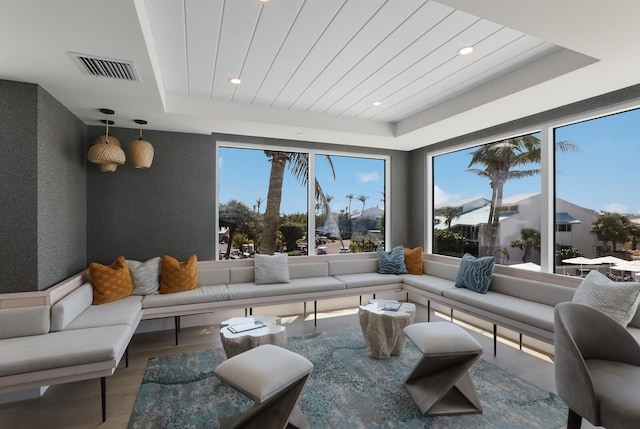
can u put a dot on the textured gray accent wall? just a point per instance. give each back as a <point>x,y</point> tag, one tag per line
<point>62,194</point>
<point>42,190</point>
<point>18,187</point>
<point>401,180</point>
<point>419,194</point>
<point>167,209</point>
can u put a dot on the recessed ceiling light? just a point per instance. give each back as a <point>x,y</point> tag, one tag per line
<point>264,1</point>
<point>466,50</point>
<point>235,80</point>
<point>376,103</point>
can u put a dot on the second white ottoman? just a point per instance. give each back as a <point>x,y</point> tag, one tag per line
<point>440,384</point>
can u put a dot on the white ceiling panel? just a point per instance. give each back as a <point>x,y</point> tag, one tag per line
<point>201,57</point>
<point>382,25</point>
<point>414,55</point>
<point>338,34</point>
<point>442,66</point>
<point>401,39</point>
<point>239,22</point>
<point>313,67</point>
<point>168,34</point>
<point>309,25</point>
<point>272,31</point>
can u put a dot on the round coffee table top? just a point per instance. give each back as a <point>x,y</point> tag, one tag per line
<point>237,342</point>
<point>376,306</point>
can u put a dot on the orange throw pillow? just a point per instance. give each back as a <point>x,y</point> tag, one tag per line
<point>178,276</point>
<point>413,260</point>
<point>110,282</point>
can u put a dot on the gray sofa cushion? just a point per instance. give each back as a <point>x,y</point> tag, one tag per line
<point>440,269</point>
<point>124,311</point>
<point>352,266</point>
<point>241,274</point>
<point>531,290</point>
<point>61,349</point>
<point>305,285</point>
<point>368,279</point>
<point>20,322</point>
<point>208,277</point>
<point>202,294</point>
<point>428,283</point>
<point>308,269</point>
<point>71,306</point>
<point>527,312</point>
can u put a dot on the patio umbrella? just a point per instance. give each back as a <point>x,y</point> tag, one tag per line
<point>529,266</point>
<point>631,266</point>
<point>580,260</point>
<point>610,260</point>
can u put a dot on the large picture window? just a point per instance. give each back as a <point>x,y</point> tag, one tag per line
<point>262,197</point>
<point>594,195</point>
<point>264,202</point>
<point>350,206</point>
<point>486,201</point>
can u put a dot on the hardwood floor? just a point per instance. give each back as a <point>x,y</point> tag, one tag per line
<point>77,405</point>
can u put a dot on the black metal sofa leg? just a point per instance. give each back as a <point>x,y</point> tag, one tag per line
<point>103,394</point>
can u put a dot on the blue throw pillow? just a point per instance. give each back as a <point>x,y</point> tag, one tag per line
<point>392,262</point>
<point>475,273</point>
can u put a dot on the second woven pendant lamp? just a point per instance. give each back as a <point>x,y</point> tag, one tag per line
<point>106,151</point>
<point>141,151</point>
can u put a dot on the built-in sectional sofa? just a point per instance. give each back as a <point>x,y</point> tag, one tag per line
<point>58,336</point>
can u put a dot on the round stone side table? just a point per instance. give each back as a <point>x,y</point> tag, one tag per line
<point>234,344</point>
<point>383,331</point>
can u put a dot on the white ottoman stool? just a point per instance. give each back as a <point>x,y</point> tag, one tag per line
<point>440,383</point>
<point>271,376</point>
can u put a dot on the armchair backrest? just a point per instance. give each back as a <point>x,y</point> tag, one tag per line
<point>582,333</point>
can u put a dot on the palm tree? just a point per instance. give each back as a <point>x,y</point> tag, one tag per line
<point>362,199</point>
<point>449,214</point>
<point>350,197</point>
<point>611,227</point>
<point>259,203</point>
<point>529,240</point>
<point>499,160</point>
<point>298,164</point>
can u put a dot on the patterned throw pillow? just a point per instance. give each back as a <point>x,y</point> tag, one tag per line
<point>392,262</point>
<point>178,276</point>
<point>475,273</point>
<point>413,260</point>
<point>110,282</point>
<point>271,269</point>
<point>618,300</point>
<point>145,276</point>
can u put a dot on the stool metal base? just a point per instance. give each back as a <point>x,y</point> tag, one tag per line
<point>441,385</point>
<point>279,411</point>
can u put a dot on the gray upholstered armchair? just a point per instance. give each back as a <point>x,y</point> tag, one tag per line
<point>597,368</point>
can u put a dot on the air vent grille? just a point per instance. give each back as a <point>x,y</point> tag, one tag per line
<point>105,67</point>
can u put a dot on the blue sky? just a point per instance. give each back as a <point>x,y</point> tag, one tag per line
<point>603,175</point>
<point>244,176</point>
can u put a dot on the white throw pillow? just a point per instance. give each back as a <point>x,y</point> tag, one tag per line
<point>145,276</point>
<point>271,269</point>
<point>618,300</point>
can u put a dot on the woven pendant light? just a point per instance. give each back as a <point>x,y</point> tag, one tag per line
<point>141,151</point>
<point>108,168</point>
<point>106,149</point>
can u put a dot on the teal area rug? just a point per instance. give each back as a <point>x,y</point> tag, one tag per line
<point>347,389</point>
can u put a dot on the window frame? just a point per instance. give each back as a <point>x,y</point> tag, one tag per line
<point>311,200</point>
<point>547,166</point>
